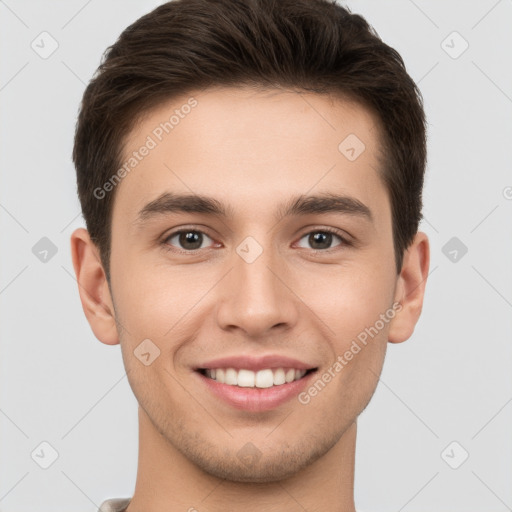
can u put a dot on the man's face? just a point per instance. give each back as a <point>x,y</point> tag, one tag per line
<point>253,282</point>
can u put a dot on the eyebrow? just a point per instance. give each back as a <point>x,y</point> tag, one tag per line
<point>300,205</point>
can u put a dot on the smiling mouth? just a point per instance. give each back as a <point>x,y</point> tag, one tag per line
<point>266,378</point>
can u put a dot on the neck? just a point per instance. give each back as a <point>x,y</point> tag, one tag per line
<point>168,481</point>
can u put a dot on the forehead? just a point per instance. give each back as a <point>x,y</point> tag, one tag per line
<point>251,147</point>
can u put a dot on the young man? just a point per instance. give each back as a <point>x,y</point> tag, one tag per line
<point>250,173</point>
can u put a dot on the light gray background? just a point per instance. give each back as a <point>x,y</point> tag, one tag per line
<point>450,382</point>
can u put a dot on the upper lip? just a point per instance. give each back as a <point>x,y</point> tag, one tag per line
<point>256,363</point>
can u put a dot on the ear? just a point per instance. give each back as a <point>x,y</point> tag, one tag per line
<point>93,287</point>
<point>410,289</point>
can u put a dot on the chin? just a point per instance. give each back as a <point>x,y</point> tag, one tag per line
<point>267,467</point>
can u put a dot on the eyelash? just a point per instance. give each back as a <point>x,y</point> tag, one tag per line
<point>168,247</point>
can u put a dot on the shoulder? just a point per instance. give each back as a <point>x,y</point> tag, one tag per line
<point>114,505</point>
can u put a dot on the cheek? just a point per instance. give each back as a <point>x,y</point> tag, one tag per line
<point>349,301</point>
<point>158,302</point>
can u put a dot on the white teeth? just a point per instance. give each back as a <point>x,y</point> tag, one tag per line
<point>290,375</point>
<point>299,374</point>
<point>264,379</point>
<point>249,379</point>
<point>245,379</point>
<point>279,377</point>
<point>230,377</point>
<point>220,375</point>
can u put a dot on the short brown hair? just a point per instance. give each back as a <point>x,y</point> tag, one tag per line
<point>308,45</point>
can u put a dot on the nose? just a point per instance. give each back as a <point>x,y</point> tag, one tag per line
<point>256,298</point>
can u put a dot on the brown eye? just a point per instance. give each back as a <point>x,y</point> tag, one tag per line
<point>188,239</point>
<point>322,239</point>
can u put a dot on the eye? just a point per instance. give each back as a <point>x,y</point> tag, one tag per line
<point>322,239</point>
<point>188,239</point>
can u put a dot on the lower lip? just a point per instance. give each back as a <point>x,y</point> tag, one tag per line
<point>256,399</point>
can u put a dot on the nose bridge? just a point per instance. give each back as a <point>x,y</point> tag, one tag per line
<point>255,299</point>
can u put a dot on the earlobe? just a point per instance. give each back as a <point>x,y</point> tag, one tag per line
<point>410,289</point>
<point>93,287</point>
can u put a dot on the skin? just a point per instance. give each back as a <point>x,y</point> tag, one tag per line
<point>251,150</point>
